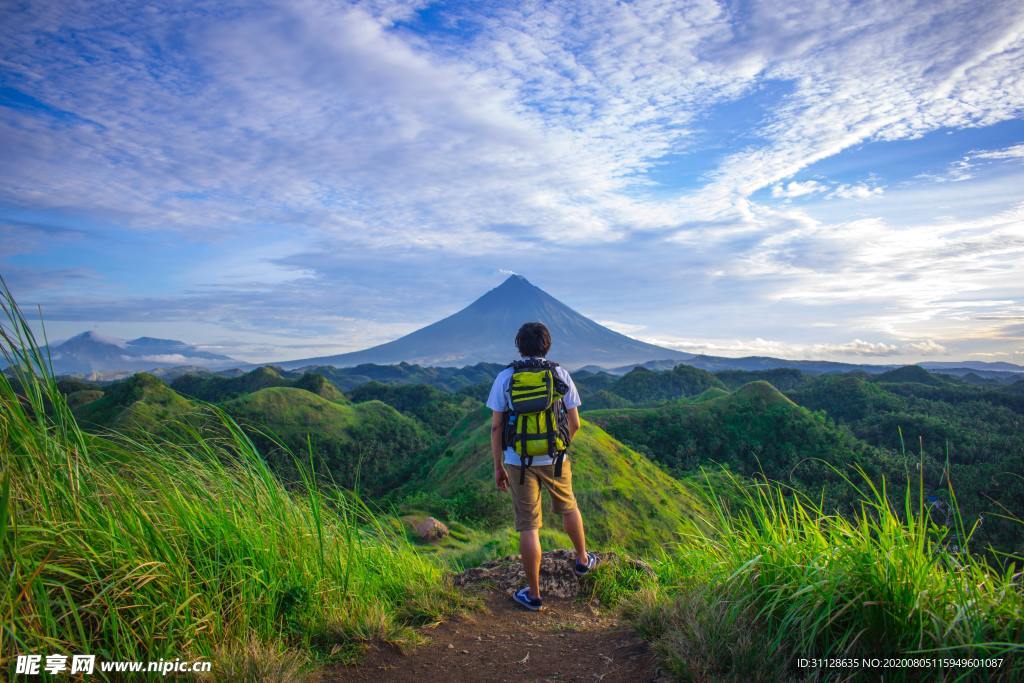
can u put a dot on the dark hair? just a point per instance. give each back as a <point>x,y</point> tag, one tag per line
<point>533,339</point>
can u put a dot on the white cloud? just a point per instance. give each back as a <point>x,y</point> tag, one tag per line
<point>334,119</point>
<point>1013,152</point>
<point>797,189</point>
<point>856,191</point>
<point>164,358</point>
<point>797,350</point>
<point>831,190</point>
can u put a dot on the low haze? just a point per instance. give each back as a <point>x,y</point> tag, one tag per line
<point>275,181</point>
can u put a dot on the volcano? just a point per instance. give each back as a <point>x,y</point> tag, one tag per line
<point>485,332</point>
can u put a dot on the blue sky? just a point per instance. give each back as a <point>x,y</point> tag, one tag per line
<point>278,180</point>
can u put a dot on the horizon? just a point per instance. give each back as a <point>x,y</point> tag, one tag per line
<point>280,362</point>
<point>291,181</point>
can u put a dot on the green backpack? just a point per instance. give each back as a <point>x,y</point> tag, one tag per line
<point>537,422</point>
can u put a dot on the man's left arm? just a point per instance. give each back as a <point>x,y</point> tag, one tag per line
<point>572,405</point>
<point>574,421</point>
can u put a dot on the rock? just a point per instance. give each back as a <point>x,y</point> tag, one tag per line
<point>426,528</point>
<point>557,578</point>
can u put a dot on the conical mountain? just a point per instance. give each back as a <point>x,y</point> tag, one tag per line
<point>485,331</point>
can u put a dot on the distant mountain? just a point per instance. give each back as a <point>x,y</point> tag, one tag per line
<point>999,370</point>
<point>755,363</point>
<point>485,331</point>
<point>996,366</point>
<point>92,354</point>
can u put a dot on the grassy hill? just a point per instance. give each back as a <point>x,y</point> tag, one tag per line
<point>321,386</point>
<point>447,378</point>
<point>216,388</point>
<point>641,385</point>
<point>140,402</point>
<point>626,500</point>
<point>438,410</point>
<point>369,446</point>
<point>979,429</point>
<point>753,429</point>
<point>185,547</point>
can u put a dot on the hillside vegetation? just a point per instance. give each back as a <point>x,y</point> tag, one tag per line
<point>141,402</point>
<point>438,410</point>
<point>149,547</point>
<point>216,388</point>
<point>367,446</point>
<point>754,430</point>
<point>854,419</point>
<point>627,500</point>
<point>968,435</point>
<point>775,577</point>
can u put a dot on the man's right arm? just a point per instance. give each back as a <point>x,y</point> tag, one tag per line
<point>497,426</point>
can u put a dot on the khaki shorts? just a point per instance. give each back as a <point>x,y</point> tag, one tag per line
<point>526,497</point>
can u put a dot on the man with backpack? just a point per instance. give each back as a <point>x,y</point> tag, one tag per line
<point>535,416</point>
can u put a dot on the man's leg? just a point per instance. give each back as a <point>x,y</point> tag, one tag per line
<point>529,548</point>
<point>572,522</point>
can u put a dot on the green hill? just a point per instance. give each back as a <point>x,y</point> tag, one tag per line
<point>213,388</point>
<point>782,379</point>
<point>909,373</point>
<point>77,399</point>
<point>980,429</point>
<point>753,429</point>
<point>321,386</point>
<point>626,500</point>
<point>140,402</point>
<point>845,397</point>
<point>369,446</point>
<point>216,388</point>
<point>447,378</point>
<point>438,410</point>
<point>641,385</point>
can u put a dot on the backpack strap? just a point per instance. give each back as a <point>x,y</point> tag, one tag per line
<point>558,463</point>
<point>524,459</point>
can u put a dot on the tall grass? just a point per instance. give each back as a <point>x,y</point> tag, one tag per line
<point>185,546</point>
<point>778,578</point>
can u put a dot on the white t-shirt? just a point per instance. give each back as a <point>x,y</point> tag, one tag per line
<point>499,401</point>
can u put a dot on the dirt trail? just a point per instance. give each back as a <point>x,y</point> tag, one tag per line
<point>569,641</point>
<point>566,642</point>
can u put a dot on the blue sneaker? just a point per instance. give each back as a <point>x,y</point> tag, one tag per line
<point>582,569</point>
<point>522,596</point>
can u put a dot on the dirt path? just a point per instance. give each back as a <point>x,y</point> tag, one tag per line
<point>568,641</point>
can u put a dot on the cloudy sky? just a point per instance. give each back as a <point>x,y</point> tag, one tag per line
<point>273,181</point>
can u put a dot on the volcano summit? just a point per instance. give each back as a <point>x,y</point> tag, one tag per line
<point>485,331</point>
